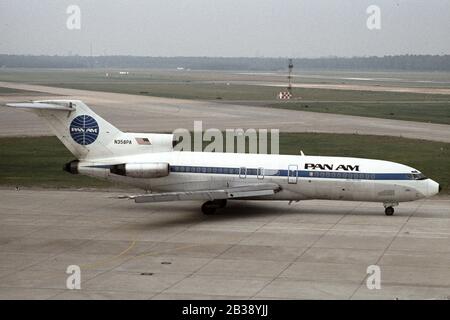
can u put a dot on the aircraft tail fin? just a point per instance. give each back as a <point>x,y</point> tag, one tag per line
<point>90,137</point>
<point>81,130</point>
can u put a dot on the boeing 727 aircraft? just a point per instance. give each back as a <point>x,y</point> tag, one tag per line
<point>148,161</point>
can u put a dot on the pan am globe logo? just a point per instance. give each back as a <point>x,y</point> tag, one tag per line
<point>84,130</point>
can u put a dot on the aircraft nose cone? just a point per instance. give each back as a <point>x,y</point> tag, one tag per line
<point>433,188</point>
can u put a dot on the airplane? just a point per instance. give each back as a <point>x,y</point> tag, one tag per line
<point>148,161</point>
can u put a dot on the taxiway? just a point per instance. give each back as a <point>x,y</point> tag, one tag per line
<point>249,250</point>
<point>152,114</point>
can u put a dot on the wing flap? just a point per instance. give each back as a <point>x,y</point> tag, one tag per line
<point>247,194</point>
<point>244,191</point>
<point>180,196</point>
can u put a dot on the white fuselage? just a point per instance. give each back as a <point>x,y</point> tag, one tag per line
<point>147,161</point>
<point>300,177</point>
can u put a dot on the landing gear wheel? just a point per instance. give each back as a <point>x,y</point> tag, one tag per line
<point>222,203</point>
<point>389,211</point>
<point>208,208</point>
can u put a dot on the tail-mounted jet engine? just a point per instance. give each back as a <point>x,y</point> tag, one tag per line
<point>141,170</point>
<point>71,167</point>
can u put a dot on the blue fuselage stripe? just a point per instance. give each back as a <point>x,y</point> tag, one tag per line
<point>292,173</point>
<point>259,172</point>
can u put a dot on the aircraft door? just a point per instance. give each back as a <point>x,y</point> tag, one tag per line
<point>242,172</point>
<point>260,173</point>
<point>292,173</point>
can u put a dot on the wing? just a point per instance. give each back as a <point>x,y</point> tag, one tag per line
<point>238,192</point>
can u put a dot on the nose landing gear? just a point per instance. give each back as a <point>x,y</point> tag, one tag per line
<point>389,211</point>
<point>389,208</point>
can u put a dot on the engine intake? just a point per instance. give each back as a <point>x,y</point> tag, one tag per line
<point>71,167</point>
<point>141,170</point>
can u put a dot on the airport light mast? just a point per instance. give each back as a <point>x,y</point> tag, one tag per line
<point>287,94</point>
<point>291,66</point>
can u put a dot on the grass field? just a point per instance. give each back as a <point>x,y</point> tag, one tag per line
<point>38,161</point>
<point>410,79</point>
<point>433,112</point>
<point>231,87</point>
<point>12,92</point>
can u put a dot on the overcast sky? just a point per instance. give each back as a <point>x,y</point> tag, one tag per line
<point>269,28</point>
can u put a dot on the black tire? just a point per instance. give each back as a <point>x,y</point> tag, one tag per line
<point>389,211</point>
<point>222,203</point>
<point>208,208</point>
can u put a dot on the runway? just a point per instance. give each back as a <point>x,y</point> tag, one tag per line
<point>151,114</point>
<point>249,250</point>
<point>358,87</point>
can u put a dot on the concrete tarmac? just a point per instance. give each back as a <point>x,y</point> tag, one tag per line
<point>249,250</point>
<point>152,114</point>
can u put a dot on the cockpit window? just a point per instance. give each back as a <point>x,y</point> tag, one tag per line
<point>418,176</point>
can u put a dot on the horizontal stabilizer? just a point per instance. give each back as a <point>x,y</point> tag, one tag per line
<point>39,106</point>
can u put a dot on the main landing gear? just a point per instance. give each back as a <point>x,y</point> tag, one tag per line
<point>210,207</point>
<point>389,208</point>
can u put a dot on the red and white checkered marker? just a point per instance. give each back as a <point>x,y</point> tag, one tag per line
<point>284,95</point>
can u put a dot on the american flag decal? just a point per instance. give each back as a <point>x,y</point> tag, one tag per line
<point>144,141</point>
